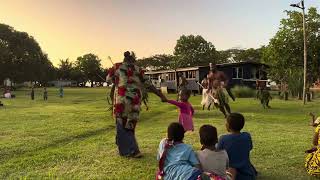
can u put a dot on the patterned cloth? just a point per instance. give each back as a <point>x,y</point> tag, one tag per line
<point>312,159</point>
<point>129,80</point>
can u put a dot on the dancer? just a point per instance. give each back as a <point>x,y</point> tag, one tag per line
<point>206,99</point>
<point>129,80</point>
<point>182,85</point>
<point>217,83</point>
<point>263,94</point>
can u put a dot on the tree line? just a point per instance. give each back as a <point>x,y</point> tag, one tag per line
<point>22,59</point>
<point>194,50</point>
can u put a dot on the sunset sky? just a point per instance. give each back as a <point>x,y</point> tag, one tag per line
<point>71,28</point>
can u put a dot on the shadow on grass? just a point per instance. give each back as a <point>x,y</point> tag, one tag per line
<point>5,156</point>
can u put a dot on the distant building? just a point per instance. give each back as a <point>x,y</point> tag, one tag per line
<point>242,73</point>
<point>64,83</point>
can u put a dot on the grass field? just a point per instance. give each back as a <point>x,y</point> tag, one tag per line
<point>73,137</point>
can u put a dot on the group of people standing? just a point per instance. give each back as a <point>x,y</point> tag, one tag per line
<point>129,86</point>
<point>45,93</point>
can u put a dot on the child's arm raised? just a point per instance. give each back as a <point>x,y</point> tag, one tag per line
<point>176,103</point>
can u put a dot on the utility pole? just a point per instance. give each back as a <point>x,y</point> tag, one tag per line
<point>301,6</point>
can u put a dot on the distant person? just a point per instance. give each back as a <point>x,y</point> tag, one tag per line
<point>213,161</point>
<point>45,94</point>
<point>1,104</point>
<point>206,98</point>
<point>264,96</point>
<point>186,110</point>
<point>32,93</point>
<point>7,94</point>
<point>177,160</point>
<point>238,146</point>
<point>182,85</point>
<point>313,155</point>
<point>61,93</point>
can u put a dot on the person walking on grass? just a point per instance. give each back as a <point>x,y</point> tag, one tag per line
<point>129,81</point>
<point>32,93</point>
<point>61,93</point>
<point>45,94</point>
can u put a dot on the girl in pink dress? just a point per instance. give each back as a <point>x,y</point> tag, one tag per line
<point>186,110</point>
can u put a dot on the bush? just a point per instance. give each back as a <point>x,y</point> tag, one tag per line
<point>243,92</point>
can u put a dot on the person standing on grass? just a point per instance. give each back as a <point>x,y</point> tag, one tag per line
<point>61,93</point>
<point>186,110</point>
<point>129,81</point>
<point>206,99</point>
<point>45,94</point>
<point>32,93</point>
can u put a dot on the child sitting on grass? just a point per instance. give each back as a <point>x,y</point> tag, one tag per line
<point>186,110</point>
<point>177,161</point>
<point>212,160</point>
<point>238,146</point>
<point>313,157</point>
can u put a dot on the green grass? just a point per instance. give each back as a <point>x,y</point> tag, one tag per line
<point>73,137</point>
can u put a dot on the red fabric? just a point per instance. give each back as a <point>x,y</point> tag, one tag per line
<point>141,72</point>
<point>136,100</point>
<point>117,65</point>
<point>119,108</point>
<point>130,81</point>
<point>116,80</point>
<point>121,91</point>
<point>110,72</point>
<point>129,72</point>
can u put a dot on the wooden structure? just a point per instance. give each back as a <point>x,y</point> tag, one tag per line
<point>242,74</point>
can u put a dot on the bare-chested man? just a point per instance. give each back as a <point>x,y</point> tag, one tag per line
<point>217,82</point>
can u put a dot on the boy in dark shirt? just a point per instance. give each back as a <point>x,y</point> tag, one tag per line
<point>238,146</point>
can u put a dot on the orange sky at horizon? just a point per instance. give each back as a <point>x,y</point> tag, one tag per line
<point>72,28</point>
<point>47,24</point>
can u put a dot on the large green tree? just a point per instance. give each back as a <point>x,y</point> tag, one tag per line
<point>194,51</point>
<point>90,66</point>
<point>65,68</point>
<point>156,62</point>
<point>21,58</point>
<point>241,55</point>
<point>284,53</point>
